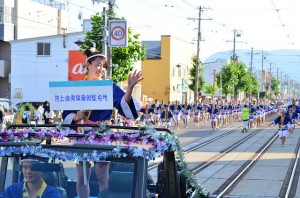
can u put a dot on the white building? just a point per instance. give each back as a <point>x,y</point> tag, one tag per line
<point>21,19</point>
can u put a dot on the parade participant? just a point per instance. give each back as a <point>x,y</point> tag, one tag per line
<point>213,118</point>
<point>176,109</point>
<point>146,116</point>
<point>122,101</point>
<point>282,121</point>
<point>253,112</point>
<point>166,118</point>
<point>185,116</point>
<point>245,118</point>
<point>196,114</point>
<point>293,116</point>
<point>251,119</point>
<point>294,106</point>
<point>33,186</point>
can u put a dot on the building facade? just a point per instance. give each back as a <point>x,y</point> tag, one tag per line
<point>47,17</point>
<point>166,69</point>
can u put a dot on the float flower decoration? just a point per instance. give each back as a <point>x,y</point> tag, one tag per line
<point>158,143</point>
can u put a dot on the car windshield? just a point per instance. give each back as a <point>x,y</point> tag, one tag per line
<point>63,176</point>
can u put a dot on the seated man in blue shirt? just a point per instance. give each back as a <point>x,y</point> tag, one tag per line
<point>33,186</point>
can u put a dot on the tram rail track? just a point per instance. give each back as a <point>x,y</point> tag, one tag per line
<point>289,185</point>
<point>154,165</point>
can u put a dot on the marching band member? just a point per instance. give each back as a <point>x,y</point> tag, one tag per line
<point>166,117</point>
<point>176,109</point>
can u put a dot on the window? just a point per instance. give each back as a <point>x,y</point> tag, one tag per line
<point>6,14</point>
<point>179,72</point>
<point>43,49</point>
<point>1,14</point>
<point>173,71</point>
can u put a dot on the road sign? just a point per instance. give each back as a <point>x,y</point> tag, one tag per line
<point>118,33</point>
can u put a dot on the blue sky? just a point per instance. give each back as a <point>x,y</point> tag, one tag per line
<point>264,24</point>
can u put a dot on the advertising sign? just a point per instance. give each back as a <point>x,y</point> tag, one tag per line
<point>76,69</point>
<point>81,95</point>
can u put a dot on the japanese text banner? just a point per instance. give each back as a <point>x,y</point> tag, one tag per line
<point>81,95</point>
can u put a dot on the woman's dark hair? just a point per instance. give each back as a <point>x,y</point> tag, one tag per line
<point>27,108</point>
<point>47,109</point>
<point>94,52</point>
<point>37,106</point>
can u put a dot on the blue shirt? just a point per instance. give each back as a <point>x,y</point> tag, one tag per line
<point>15,191</point>
<point>286,121</point>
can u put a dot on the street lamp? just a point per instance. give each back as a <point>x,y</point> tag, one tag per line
<point>80,42</point>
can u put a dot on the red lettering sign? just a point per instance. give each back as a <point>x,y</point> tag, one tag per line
<point>76,69</point>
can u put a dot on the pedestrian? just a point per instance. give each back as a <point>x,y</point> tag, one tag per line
<point>128,107</point>
<point>26,117</point>
<point>37,117</point>
<point>282,121</point>
<point>245,118</point>
<point>49,115</point>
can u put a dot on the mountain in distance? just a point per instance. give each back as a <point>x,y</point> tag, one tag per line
<point>287,61</point>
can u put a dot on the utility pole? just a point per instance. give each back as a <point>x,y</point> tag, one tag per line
<point>262,70</point>
<point>270,81</point>
<point>104,32</point>
<point>281,85</point>
<point>198,62</point>
<point>197,59</point>
<point>214,84</point>
<point>111,4</point>
<point>235,34</point>
<point>221,84</point>
<point>251,63</point>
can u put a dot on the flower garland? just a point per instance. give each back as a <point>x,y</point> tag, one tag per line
<point>158,144</point>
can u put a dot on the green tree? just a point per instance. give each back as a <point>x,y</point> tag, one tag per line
<point>254,85</point>
<point>263,94</point>
<point>229,74</point>
<point>236,78</point>
<point>123,57</point>
<point>193,76</point>
<point>275,86</point>
<point>244,78</point>
<point>211,89</point>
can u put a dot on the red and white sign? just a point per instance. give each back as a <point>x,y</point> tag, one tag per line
<point>118,33</point>
<point>76,69</point>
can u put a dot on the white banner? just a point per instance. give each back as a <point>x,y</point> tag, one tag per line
<point>81,95</point>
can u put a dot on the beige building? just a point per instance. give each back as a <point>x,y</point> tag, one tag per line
<point>166,69</point>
